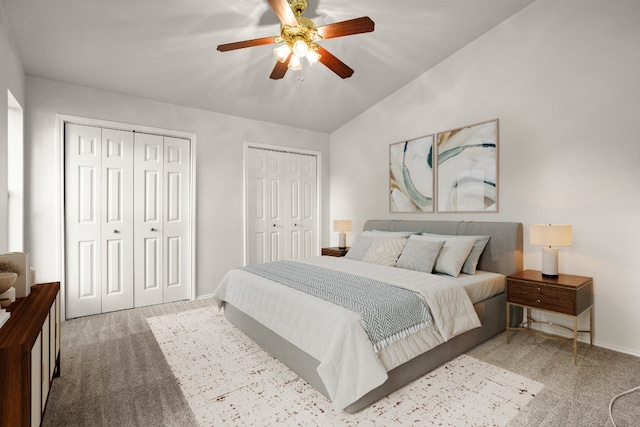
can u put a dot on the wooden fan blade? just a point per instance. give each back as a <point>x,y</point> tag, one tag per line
<point>346,28</point>
<point>280,69</point>
<point>247,43</point>
<point>284,12</point>
<point>334,64</point>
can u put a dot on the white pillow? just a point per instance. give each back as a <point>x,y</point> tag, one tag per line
<point>385,251</point>
<point>470,264</point>
<point>453,254</point>
<point>420,255</point>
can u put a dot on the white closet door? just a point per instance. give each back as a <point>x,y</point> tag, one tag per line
<point>83,222</point>
<point>117,220</point>
<point>309,206</point>
<point>265,206</point>
<point>149,221</point>
<point>177,247</point>
<point>281,206</point>
<point>98,215</point>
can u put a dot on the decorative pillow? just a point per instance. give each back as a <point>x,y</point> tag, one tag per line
<point>470,264</point>
<point>420,255</point>
<point>385,251</point>
<point>453,254</point>
<point>359,248</point>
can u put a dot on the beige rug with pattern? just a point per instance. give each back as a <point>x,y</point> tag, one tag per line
<point>229,380</point>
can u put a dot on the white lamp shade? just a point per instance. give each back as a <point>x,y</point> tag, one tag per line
<point>313,57</point>
<point>342,225</point>
<point>295,63</point>
<point>551,235</point>
<point>282,52</point>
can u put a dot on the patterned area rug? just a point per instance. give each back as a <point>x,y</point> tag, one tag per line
<point>230,380</point>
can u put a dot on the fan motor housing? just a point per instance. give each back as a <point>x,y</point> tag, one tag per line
<point>298,6</point>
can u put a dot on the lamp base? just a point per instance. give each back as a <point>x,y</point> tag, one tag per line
<point>342,240</point>
<point>550,262</point>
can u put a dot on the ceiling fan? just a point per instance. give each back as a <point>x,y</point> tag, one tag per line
<point>299,35</point>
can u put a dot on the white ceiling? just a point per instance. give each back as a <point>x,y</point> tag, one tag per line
<point>166,50</point>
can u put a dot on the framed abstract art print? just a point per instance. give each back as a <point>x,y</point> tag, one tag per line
<point>467,168</point>
<point>411,175</point>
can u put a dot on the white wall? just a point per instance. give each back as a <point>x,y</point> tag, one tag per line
<point>11,78</point>
<point>562,77</point>
<point>219,167</point>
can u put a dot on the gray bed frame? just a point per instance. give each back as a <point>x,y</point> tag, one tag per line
<point>503,254</point>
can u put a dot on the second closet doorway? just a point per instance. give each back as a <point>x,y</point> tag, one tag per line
<point>281,190</point>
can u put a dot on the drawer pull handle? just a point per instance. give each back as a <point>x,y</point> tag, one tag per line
<point>538,301</point>
<point>538,289</point>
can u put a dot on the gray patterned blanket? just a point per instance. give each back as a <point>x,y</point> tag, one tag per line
<point>389,312</point>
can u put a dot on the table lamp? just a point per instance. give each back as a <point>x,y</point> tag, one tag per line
<point>342,226</point>
<point>550,236</point>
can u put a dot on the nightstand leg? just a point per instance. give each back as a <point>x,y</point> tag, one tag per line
<point>591,326</point>
<point>575,340</point>
<point>508,322</point>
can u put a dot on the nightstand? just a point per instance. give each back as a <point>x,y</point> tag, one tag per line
<point>335,251</point>
<point>565,294</point>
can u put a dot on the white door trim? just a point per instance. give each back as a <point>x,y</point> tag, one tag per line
<point>284,149</point>
<point>61,120</point>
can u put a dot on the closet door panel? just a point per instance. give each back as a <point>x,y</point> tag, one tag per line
<point>177,216</point>
<point>309,206</point>
<point>117,210</point>
<point>256,200</point>
<point>148,222</point>
<point>276,229</point>
<point>83,222</point>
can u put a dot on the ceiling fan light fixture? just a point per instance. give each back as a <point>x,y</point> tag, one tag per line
<point>313,57</point>
<point>300,48</point>
<point>295,63</point>
<point>282,52</point>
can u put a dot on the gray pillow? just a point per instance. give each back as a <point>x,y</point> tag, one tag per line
<point>453,254</point>
<point>471,262</point>
<point>359,248</point>
<point>420,255</point>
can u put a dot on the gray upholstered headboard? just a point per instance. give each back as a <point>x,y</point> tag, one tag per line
<point>503,253</point>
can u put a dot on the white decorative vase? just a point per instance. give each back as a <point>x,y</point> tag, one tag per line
<point>6,281</point>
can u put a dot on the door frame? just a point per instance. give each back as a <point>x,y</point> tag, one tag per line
<point>245,196</point>
<point>61,121</point>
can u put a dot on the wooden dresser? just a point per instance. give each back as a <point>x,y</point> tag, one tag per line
<point>29,355</point>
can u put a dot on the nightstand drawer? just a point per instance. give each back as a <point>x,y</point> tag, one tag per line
<point>541,296</point>
<point>335,251</point>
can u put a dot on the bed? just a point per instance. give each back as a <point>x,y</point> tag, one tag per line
<point>502,255</point>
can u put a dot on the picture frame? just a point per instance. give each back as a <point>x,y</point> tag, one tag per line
<point>467,168</point>
<point>411,175</point>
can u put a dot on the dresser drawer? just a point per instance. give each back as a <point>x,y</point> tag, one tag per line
<point>545,297</point>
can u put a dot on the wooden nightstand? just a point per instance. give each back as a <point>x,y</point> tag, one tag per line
<point>566,295</point>
<point>335,251</point>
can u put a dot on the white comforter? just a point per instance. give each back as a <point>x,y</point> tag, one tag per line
<point>349,366</point>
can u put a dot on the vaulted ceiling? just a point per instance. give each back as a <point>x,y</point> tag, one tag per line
<point>165,50</point>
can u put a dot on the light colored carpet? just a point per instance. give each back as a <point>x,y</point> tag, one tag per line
<point>227,379</point>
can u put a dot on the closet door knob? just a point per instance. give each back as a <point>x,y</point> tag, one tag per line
<point>154,229</point>
<point>116,231</point>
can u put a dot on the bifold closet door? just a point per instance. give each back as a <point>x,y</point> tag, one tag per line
<point>265,206</point>
<point>162,215</point>
<point>98,219</point>
<point>300,206</point>
<point>281,205</point>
